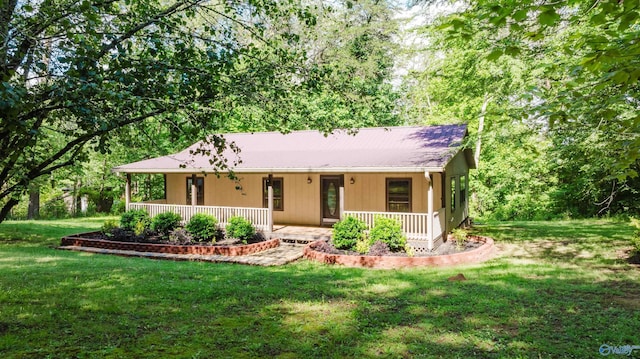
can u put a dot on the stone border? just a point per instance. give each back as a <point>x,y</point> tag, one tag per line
<point>476,255</point>
<point>240,250</point>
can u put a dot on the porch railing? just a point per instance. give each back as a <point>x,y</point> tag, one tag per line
<point>414,225</point>
<point>258,216</point>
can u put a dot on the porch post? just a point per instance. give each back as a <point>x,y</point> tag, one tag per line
<point>427,175</point>
<point>270,202</point>
<point>341,197</point>
<point>194,191</point>
<point>127,191</point>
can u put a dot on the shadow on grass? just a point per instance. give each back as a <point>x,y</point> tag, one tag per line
<point>112,307</point>
<point>593,243</point>
<point>65,304</point>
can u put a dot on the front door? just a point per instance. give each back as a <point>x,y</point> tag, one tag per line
<point>330,193</point>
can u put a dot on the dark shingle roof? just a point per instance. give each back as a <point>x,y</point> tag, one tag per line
<point>370,150</point>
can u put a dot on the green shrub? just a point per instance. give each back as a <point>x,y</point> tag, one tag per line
<point>118,207</point>
<point>362,246</point>
<point>54,208</point>
<point>460,236</point>
<point>165,222</point>
<point>636,242</point>
<point>240,228</point>
<point>389,231</point>
<point>108,226</point>
<point>130,219</point>
<point>348,232</point>
<point>203,227</point>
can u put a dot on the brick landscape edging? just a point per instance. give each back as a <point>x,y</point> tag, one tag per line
<point>239,250</point>
<point>476,255</point>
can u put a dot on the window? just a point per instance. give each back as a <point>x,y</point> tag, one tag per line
<point>463,190</point>
<point>453,194</point>
<point>200,186</point>
<point>398,194</point>
<point>278,193</point>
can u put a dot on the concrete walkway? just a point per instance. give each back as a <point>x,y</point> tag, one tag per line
<point>283,254</point>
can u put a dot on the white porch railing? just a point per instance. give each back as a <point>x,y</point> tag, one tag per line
<point>414,225</point>
<point>258,216</point>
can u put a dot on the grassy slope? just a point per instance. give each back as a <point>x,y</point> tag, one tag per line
<point>558,289</point>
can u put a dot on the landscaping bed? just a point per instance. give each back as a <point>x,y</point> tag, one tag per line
<point>227,248</point>
<point>477,249</point>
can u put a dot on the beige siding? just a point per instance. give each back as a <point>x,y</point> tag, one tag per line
<point>368,193</point>
<point>456,168</point>
<point>301,199</point>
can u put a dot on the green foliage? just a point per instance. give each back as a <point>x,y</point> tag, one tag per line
<point>165,222</point>
<point>108,226</point>
<point>460,235</point>
<point>241,228</point>
<point>389,231</point>
<point>362,245</point>
<point>135,218</point>
<point>203,227</point>
<point>55,208</point>
<point>635,238</point>
<point>572,255</point>
<point>90,89</point>
<point>348,232</point>
<point>140,229</point>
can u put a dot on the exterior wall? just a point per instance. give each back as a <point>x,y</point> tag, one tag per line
<point>368,193</point>
<point>302,201</point>
<point>456,168</point>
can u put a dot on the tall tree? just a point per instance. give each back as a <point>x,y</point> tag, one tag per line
<point>586,56</point>
<point>73,74</point>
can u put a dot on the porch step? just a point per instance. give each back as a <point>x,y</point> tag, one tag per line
<point>298,238</point>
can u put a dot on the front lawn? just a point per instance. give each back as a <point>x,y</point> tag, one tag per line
<point>558,289</point>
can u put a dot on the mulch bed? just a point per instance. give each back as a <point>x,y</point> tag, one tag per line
<point>226,248</point>
<point>448,247</point>
<point>477,250</point>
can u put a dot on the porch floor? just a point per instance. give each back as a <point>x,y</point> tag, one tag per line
<point>299,234</point>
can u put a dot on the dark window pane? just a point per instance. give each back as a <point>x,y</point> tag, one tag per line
<point>398,195</point>
<point>278,200</point>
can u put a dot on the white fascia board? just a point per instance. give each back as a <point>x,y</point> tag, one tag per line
<point>282,170</point>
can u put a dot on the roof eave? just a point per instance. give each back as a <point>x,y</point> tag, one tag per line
<point>280,170</point>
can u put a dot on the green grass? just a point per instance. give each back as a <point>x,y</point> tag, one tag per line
<point>556,289</point>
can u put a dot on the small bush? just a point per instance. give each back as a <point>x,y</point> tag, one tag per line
<point>240,228</point>
<point>203,227</point>
<point>108,226</point>
<point>362,246</point>
<point>409,250</point>
<point>180,236</point>
<point>130,219</point>
<point>348,232</point>
<point>164,223</point>
<point>325,247</point>
<point>460,236</point>
<point>379,249</point>
<point>389,231</point>
<point>118,207</point>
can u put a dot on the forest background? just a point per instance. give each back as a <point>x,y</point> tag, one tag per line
<point>549,88</point>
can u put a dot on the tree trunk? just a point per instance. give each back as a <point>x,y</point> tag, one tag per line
<point>487,98</point>
<point>33,212</point>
